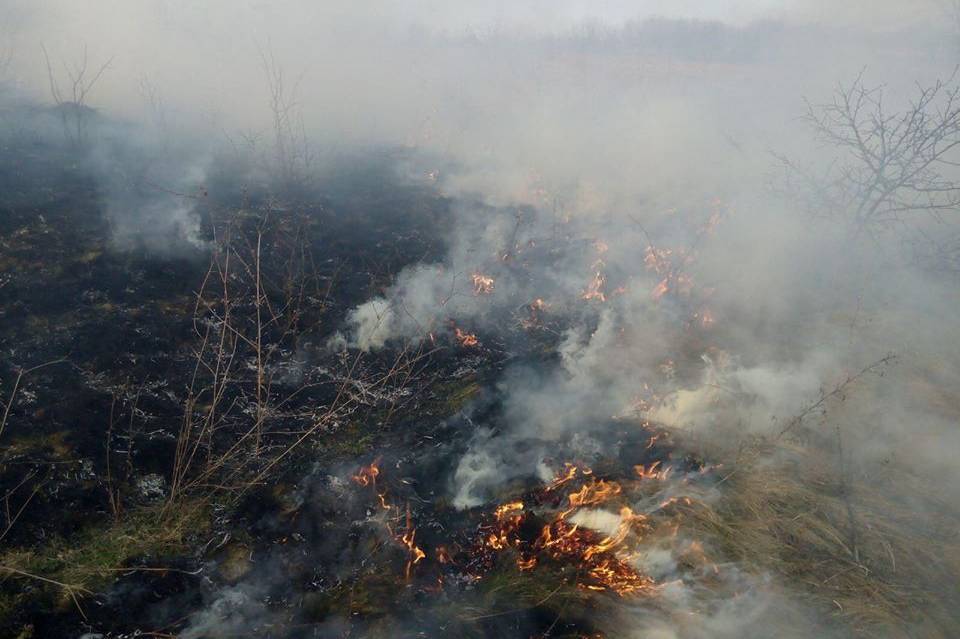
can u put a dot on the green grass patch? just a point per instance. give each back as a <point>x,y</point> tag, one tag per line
<point>354,438</point>
<point>453,396</point>
<point>92,558</point>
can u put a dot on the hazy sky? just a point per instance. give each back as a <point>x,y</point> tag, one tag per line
<point>549,14</point>
<point>455,15</point>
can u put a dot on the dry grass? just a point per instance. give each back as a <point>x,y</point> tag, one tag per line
<point>877,554</point>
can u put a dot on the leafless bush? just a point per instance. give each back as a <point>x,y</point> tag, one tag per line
<point>895,169</point>
<point>240,418</point>
<point>71,102</point>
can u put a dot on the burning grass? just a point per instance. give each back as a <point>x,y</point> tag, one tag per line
<point>549,555</point>
<point>860,556</point>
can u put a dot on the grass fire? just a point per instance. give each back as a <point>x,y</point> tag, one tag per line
<point>541,320</point>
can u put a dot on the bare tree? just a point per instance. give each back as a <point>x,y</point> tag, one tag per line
<point>894,168</point>
<point>291,147</point>
<point>71,101</point>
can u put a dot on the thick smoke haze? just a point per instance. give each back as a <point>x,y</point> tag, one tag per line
<point>441,64</point>
<point>576,139</point>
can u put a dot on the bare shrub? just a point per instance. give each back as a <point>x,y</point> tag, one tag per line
<point>250,403</point>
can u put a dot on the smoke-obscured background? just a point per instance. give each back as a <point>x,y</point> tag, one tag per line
<point>617,127</point>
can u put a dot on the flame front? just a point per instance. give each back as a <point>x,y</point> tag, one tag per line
<point>577,519</point>
<point>604,560</point>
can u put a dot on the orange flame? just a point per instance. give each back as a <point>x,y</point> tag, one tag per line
<point>604,560</point>
<point>652,471</point>
<point>593,493</point>
<point>482,284</point>
<point>569,472</point>
<point>685,501</point>
<point>661,289</point>
<point>367,475</point>
<point>594,290</point>
<point>416,555</point>
<point>657,259</point>
<point>506,509</point>
<point>467,340</point>
<point>535,308</point>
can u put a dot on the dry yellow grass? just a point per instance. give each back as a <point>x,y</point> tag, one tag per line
<point>879,555</point>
